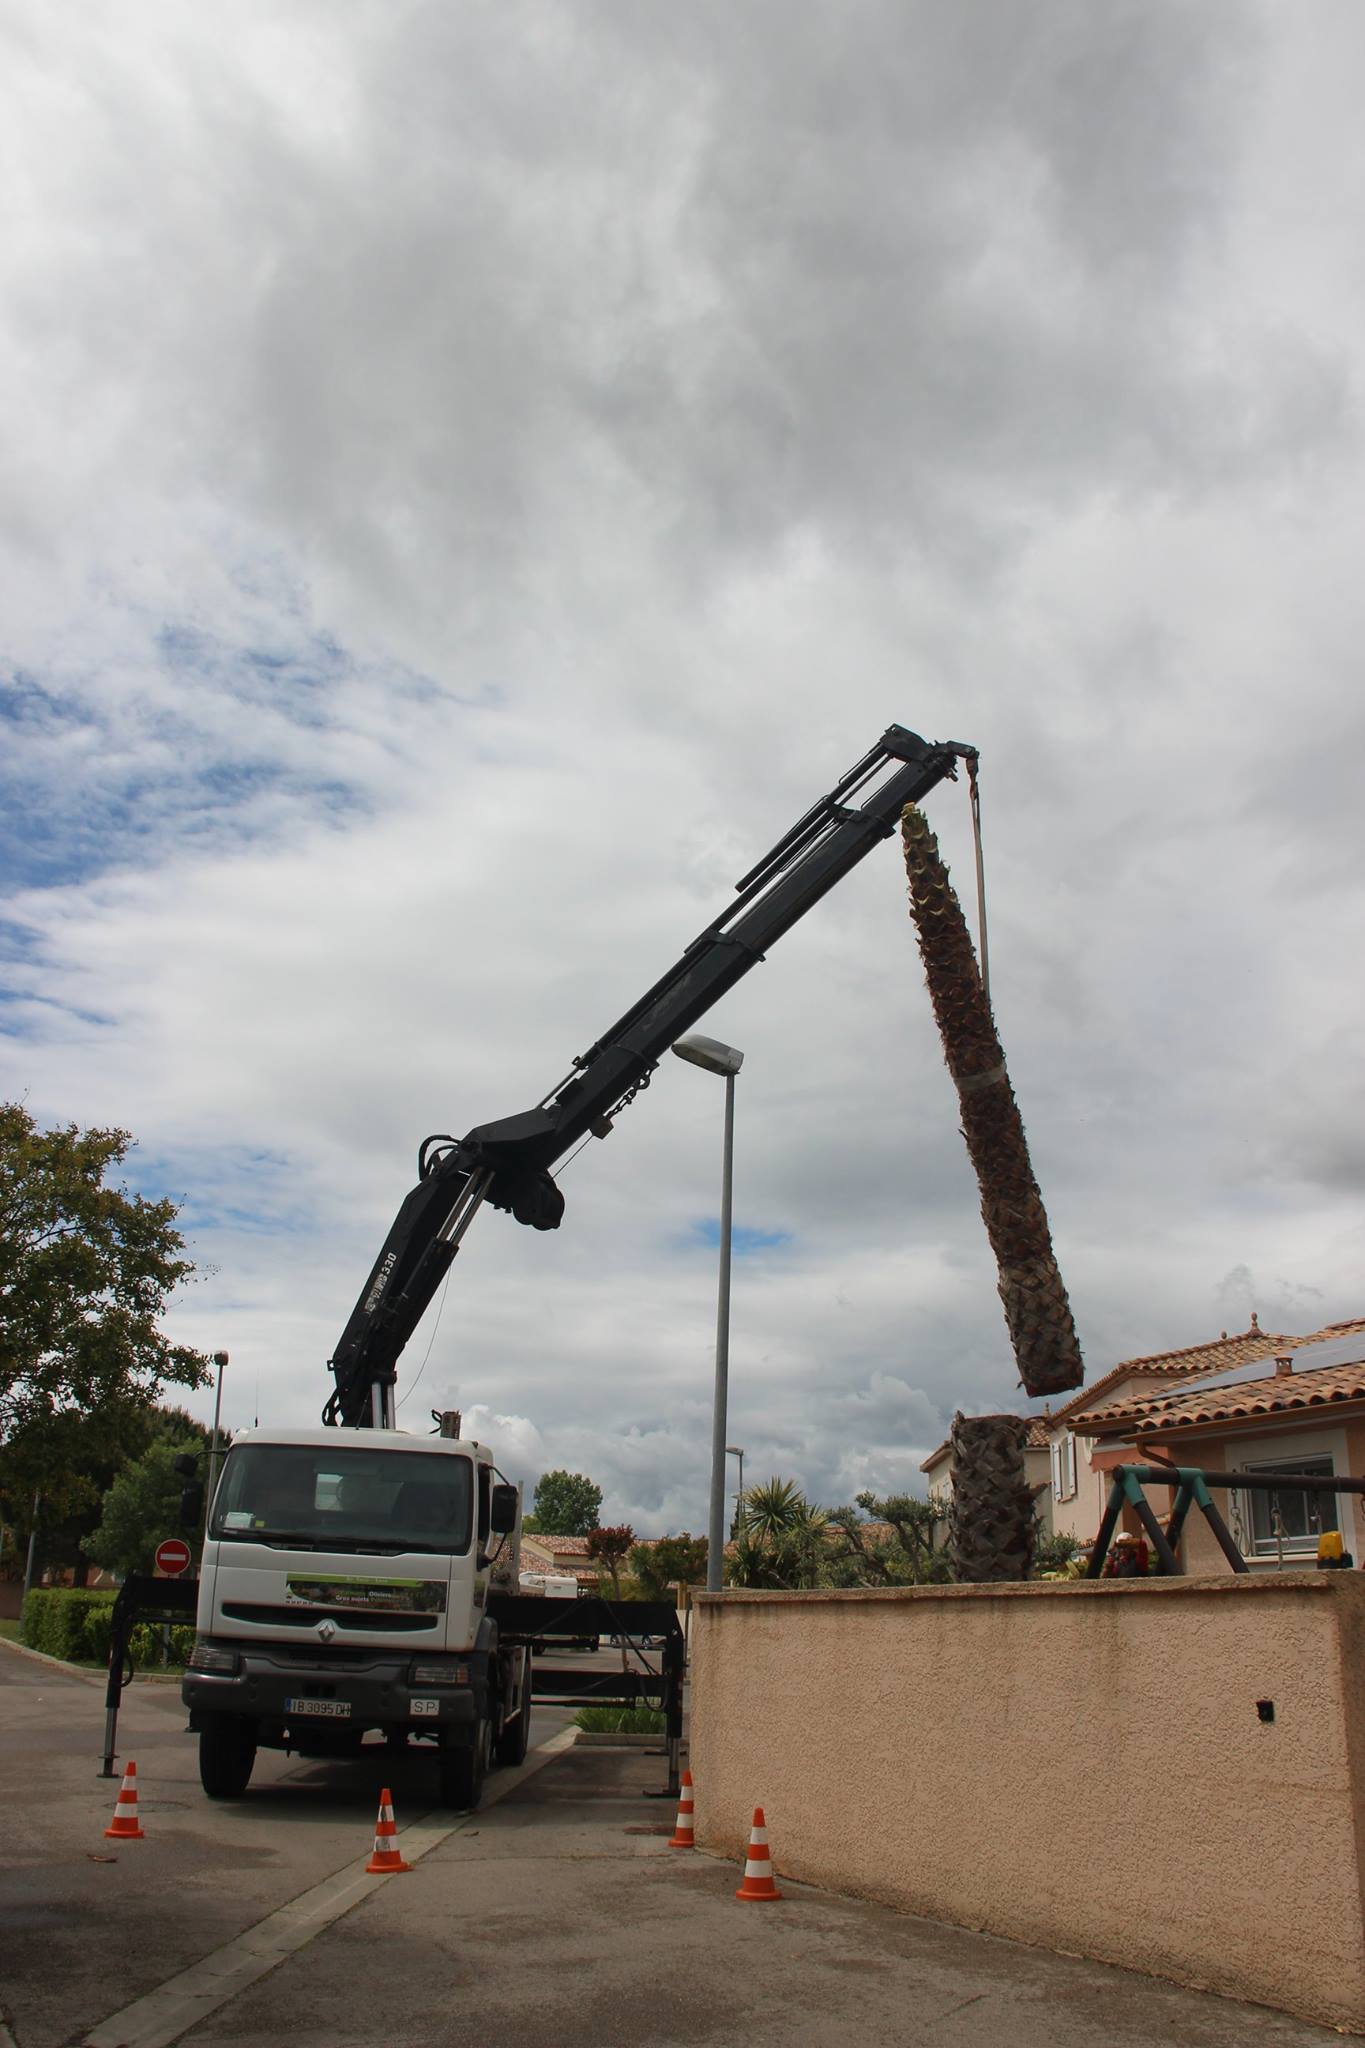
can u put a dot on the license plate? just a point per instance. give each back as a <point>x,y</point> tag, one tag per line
<point>332,1710</point>
<point>419,1707</point>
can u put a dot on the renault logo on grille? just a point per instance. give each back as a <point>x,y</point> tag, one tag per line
<point>326,1630</point>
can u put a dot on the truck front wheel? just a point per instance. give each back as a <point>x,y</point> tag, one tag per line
<point>462,1771</point>
<point>227,1753</point>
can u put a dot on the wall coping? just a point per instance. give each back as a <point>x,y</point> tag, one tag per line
<point>1348,1585</point>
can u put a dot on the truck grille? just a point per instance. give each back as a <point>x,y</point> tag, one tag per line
<point>309,1617</point>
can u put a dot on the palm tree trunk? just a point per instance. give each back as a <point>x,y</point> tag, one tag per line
<point>991,1524</point>
<point>1037,1312</point>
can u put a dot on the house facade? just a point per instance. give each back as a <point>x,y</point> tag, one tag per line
<point>1083,1448</point>
<point>1302,1411</point>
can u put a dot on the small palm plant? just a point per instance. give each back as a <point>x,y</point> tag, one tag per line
<point>780,1540</point>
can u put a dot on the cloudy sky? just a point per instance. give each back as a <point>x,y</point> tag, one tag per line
<point>475,474</point>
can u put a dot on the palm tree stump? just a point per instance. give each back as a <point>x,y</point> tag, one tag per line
<point>991,1523</point>
<point>1037,1312</point>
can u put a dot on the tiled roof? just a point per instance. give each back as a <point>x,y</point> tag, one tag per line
<point>1203,1361</point>
<point>1036,1440</point>
<point>1277,1394</point>
<point>1194,1361</point>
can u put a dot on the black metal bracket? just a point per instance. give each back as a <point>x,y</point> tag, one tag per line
<point>140,1598</point>
<point>540,1622</point>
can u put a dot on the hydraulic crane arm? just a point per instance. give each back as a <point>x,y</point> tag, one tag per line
<point>508,1163</point>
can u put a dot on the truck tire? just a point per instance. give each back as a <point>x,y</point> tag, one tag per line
<point>515,1738</point>
<point>227,1753</point>
<point>462,1771</point>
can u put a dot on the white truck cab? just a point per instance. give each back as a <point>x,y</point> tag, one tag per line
<point>344,1592</point>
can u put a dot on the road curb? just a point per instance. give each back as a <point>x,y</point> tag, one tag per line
<point>82,1671</point>
<point>93,1674</point>
<point>593,1738</point>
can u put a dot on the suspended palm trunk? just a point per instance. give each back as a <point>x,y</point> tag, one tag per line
<point>1037,1312</point>
<point>991,1523</point>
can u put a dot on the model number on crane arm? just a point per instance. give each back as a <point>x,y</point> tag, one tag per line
<point>381,1279</point>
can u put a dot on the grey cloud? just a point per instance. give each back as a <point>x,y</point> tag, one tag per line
<point>565,442</point>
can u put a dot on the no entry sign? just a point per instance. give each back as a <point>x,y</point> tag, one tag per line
<point>173,1556</point>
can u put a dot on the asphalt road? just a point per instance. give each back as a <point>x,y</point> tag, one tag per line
<point>557,1917</point>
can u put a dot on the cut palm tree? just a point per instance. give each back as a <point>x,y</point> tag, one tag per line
<point>991,1524</point>
<point>1037,1312</point>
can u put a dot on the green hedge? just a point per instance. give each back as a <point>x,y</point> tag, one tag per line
<point>74,1624</point>
<point>70,1622</point>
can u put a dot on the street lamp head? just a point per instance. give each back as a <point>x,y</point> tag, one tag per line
<point>709,1053</point>
<point>734,1450</point>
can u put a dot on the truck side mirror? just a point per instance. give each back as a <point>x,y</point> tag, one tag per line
<point>186,1464</point>
<point>191,1503</point>
<point>504,1512</point>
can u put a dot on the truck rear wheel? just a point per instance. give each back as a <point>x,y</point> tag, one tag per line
<point>227,1754</point>
<point>462,1771</point>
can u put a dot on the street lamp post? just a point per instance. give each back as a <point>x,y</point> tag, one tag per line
<point>737,1451</point>
<point>726,1061</point>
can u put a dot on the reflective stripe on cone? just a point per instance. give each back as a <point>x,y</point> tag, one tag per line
<point>385,1854</point>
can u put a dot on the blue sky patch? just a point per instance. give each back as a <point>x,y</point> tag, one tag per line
<point>743,1239</point>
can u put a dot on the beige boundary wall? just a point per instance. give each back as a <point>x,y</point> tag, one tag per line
<point>1081,1766</point>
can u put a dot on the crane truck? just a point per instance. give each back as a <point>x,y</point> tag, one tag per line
<point>360,1581</point>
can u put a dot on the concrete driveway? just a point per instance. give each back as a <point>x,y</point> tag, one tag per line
<point>558,1917</point>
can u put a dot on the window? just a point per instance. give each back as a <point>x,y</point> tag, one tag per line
<point>1064,1467</point>
<point>1289,1518</point>
<point>344,1499</point>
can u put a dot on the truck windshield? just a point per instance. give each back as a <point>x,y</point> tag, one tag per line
<point>329,1499</point>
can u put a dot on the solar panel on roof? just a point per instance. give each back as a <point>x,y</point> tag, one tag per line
<point>1344,1350</point>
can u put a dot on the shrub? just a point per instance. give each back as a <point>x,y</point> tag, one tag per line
<point>1053,1554</point>
<point>75,1624</point>
<point>620,1720</point>
<point>59,1620</point>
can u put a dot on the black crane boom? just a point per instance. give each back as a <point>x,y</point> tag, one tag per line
<point>509,1162</point>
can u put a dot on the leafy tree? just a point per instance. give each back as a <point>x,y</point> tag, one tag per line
<point>899,1551</point>
<point>567,1504</point>
<point>141,1508</point>
<point>609,1548</point>
<point>86,1270</point>
<point>68,1461</point>
<point>672,1561</point>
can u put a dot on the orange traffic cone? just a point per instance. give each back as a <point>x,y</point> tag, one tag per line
<point>758,1869</point>
<point>125,1826</point>
<point>385,1856</point>
<point>682,1832</point>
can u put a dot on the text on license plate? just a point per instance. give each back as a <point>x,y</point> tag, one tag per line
<point>335,1710</point>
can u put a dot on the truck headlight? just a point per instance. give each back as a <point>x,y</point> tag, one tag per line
<point>439,1674</point>
<point>210,1657</point>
